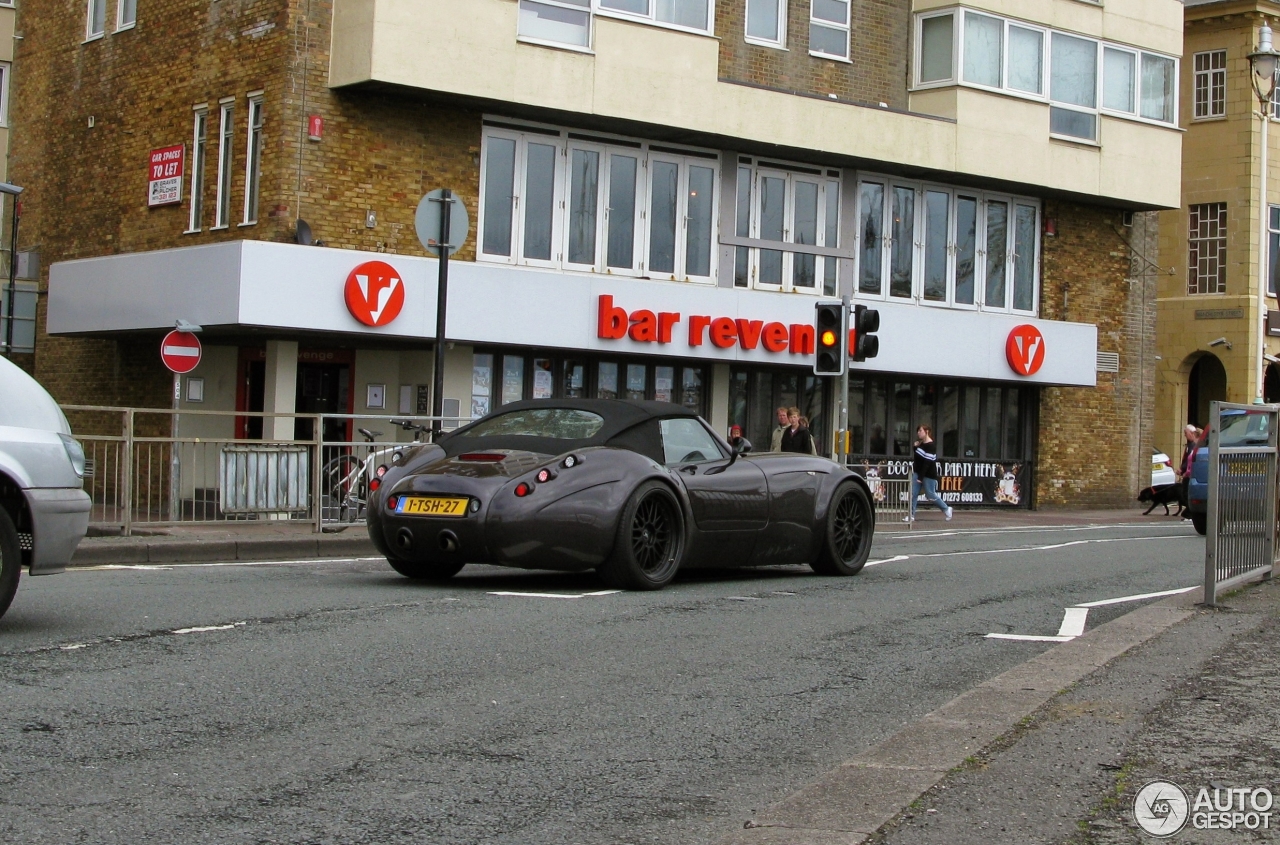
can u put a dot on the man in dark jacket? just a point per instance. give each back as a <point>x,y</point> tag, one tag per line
<point>924,473</point>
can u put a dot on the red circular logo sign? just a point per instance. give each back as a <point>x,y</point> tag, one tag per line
<point>374,293</point>
<point>180,351</point>
<point>1025,350</point>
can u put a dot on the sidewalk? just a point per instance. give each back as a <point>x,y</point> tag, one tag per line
<point>298,541</point>
<point>1055,751</point>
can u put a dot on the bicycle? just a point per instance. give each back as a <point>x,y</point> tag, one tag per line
<point>346,477</point>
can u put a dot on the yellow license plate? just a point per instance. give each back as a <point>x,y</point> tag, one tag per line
<point>431,506</point>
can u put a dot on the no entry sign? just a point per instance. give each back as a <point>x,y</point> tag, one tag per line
<point>180,351</point>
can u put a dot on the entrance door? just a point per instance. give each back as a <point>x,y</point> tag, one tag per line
<point>323,389</point>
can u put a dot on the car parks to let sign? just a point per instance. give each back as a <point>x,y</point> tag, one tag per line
<point>164,177</point>
<point>180,351</point>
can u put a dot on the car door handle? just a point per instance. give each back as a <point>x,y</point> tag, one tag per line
<point>692,470</point>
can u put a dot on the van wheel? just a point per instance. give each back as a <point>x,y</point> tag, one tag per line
<point>10,560</point>
<point>1200,522</point>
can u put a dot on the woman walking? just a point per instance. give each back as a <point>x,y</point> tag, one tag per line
<point>924,473</point>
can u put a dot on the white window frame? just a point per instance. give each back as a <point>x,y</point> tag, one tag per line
<point>91,7</point>
<point>790,174</point>
<point>779,43</point>
<point>954,193</point>
<point>226,159</point>
<point>960,13</point>
<point>253,157</point>
<point>645,155</point>
<point>1136,81</point>
<point>652,20</point>
<point>1208,76</point>
<point>121,6</point>
<point>199,157</point>
<point>826,24</point>
<point>562,45</point>
<point>6,71</point>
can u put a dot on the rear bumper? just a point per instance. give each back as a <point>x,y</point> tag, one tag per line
<point>59,520</point>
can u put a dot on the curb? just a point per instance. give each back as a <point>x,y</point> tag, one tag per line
<point>137,551</point>
<point>848,805</point>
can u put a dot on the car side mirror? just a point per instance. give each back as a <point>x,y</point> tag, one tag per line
<point>742,448</point>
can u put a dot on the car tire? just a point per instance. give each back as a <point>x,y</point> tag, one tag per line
<point>849,526</point>
<point>1200,522</point>
<point>650,543</point>
<point>10,560</point>
<point>426,570</point>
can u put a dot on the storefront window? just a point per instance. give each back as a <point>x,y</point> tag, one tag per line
<point>481,384</point>
<point>904,428</point>
<point>543,378</point>
<point>1012,425</point>
<point>512,378</point>
<point>738,402</point>
<point>948,434</point>
<point>857,418</point>
<point>691,389</point>
<point>575,380</point>
<point>876,418</point>
<point>992,425</point>
<point>607,380</point>
<point>663,383</point>
<point>972,398</point>
<point>926,409</point>
<point>637,381</point>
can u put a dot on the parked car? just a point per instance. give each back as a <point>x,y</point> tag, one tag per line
<point>44,511</point>
<point>1162,469</point>
<point>1239,428</point>
<point>634,490</point>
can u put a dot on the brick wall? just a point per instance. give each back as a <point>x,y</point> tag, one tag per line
<point>87,185</point>
<point>1094,443</point>
<point>876,73</point>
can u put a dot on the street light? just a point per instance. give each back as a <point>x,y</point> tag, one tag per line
<point>1263,61</point>
<point>13,191</point>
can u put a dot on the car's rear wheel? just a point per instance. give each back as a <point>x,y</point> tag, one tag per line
<point>1200,522</point>
<point>650,543</point>
<point>425,570</point>
<point>10,560</point>
<point>849,528</point>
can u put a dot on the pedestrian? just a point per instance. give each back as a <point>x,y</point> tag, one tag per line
<point>1192,435</point>
<point>924,474</point>
<point>737,442</point>
<point>775,442</point>
<point>796,438</point>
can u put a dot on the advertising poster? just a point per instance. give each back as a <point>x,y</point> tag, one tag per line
<point>164,178</point>
<point>960,483</point>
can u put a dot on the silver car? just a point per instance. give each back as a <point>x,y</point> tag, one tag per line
<point>44,511</point>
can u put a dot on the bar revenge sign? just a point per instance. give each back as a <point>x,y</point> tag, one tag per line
<point>164,185</point>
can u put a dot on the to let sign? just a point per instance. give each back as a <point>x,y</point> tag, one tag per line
<point>164,180</point>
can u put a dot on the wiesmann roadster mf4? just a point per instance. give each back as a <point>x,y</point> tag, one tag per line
<point>634,490</point>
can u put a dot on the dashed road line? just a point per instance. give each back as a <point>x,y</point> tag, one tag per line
<point>554,595</point>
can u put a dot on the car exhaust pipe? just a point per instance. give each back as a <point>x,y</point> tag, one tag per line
<point>404,538</point>
<point>448,541</point>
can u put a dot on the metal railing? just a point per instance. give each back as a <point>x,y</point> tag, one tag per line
<point>1240,543</point>
<point>890,495</point>
<point>230,466</point>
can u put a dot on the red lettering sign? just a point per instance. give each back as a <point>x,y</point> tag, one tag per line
<point>644,326</point>
<point>164,175</point>
<point>1025,350</point>
<point>374,293</point>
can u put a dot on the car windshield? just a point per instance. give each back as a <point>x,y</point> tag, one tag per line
<point>1247,429</point>
<point>555,423</point>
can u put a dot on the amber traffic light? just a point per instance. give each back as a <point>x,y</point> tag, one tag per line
<point>831,336</point>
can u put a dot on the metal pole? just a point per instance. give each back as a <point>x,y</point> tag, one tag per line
<point>174,469</point>
<point>1211,534</point>
<point>843,447</point>
<point>1263,258</point>
<point>13,279</point>
<point>442,300</point>
<point>128,473</point>
<point>317,493</point>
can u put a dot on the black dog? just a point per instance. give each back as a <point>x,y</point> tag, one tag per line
<point>1165,494</point>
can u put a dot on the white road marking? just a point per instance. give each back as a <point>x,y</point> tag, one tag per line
<point>555,595</point>
<point>1074,617</point>
<point>204,628</point>
<point>143,567</point>
<point>893,559</point>
<point>927,534</point>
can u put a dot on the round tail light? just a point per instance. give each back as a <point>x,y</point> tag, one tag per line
<point>523,489</point>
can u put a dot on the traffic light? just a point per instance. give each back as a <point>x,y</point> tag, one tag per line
<point>831,339</point>
<point>866,322</point>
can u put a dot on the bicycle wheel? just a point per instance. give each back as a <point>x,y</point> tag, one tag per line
<point>340,482</point>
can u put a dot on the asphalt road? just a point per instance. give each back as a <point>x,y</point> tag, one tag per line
<point>335,702</point>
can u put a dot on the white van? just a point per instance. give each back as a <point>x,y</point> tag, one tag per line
<point>44,511</point>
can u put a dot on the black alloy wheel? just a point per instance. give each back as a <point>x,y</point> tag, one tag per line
<point>10,560</point>
<point>850,526</point>
<point>650,542</point>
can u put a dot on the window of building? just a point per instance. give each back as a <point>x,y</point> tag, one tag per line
<point>947,246</point>
<point>126,14</point>
<point>755,394</point>
<point>199,155</point>
<point>569,22</point>
<point>767,22</point>
<point>226,142</point>
<point>686,14</point>
<point>597,204</point>
<point>829,29</point>
<point>4,93</point>
<point>1207,262</point>
<point>25,297</point>
<point>1273,228</point>
<point>1211,84</point>
<point>96,24</point>
<point>1080,77</point>
<point>788,204</point>
<point>253,160</point>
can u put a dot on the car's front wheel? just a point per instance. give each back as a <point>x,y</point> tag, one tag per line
<point>650,542</point>
<point>424,570</point>
<point>10,560</point>
<point>849,527</point>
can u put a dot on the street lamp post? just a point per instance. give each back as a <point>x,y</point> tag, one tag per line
<point>13,191</point>
<point>1263,62</point>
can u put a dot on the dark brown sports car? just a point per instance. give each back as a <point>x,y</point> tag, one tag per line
<point>634,490</point>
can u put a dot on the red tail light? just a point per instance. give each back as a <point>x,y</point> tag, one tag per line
<point>483,457</point>
<point>375,483</point>
<point>392,502</point>
<point>523,489</point>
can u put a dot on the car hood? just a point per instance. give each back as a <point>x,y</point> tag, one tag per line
<point>26,404</point>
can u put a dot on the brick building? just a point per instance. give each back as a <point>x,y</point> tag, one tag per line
<point>659,191</point>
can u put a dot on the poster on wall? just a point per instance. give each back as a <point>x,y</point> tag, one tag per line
<point>961,482</point>
<point>164,178</point>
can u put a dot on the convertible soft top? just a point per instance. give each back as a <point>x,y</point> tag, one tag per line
<point>619,415</point>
